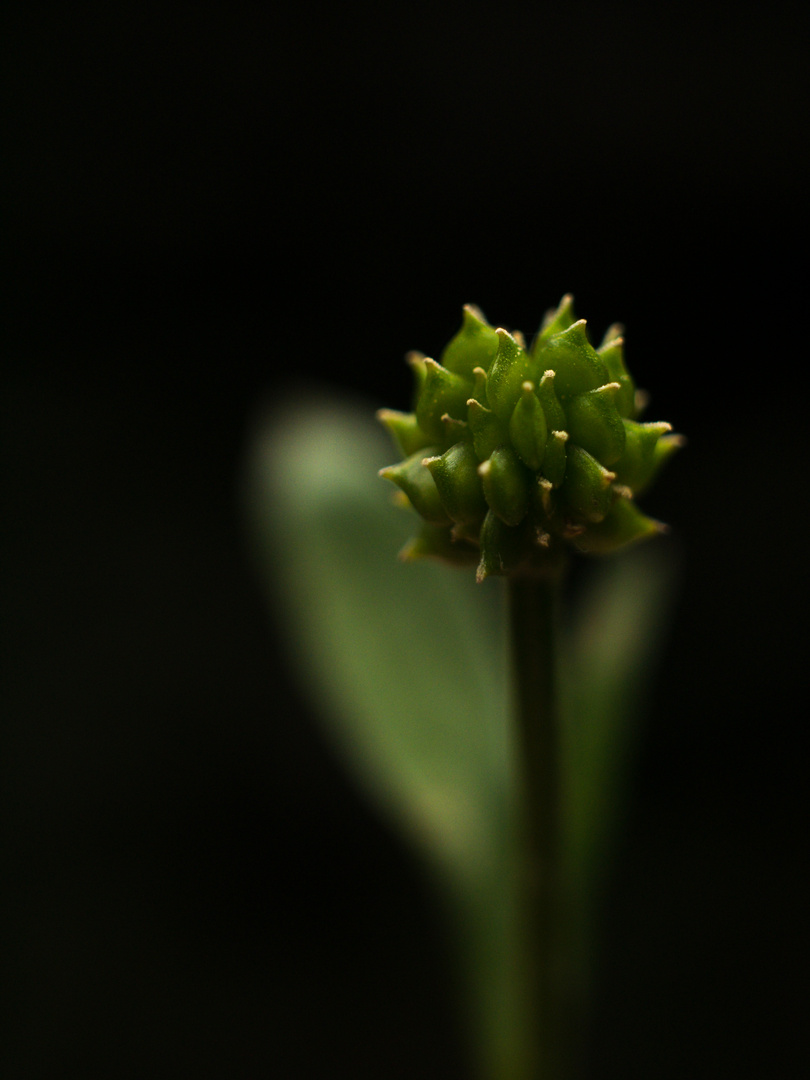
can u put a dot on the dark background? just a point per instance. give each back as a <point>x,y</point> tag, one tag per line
<point>203,205</point>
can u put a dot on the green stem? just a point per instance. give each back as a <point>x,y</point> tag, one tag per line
<point>532,616</point>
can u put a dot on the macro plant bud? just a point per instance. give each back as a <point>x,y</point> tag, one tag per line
<point>512,453</point>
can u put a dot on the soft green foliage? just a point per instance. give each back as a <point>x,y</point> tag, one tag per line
<point>407,666</point>
<point>394,651</point>
<point>512,452</point>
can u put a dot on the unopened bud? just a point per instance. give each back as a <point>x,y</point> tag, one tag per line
<point>511,454</point>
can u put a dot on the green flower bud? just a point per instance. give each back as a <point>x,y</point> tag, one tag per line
<point>513,454</point>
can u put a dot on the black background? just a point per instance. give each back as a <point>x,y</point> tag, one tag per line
<point>206,204</point>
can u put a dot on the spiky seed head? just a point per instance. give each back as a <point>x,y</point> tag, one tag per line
<point>512,453</point>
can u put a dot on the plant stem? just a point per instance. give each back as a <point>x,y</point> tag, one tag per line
<point>532,616</point>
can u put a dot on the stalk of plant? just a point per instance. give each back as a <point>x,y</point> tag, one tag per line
<point>533,602</point>
<point>514,455</point>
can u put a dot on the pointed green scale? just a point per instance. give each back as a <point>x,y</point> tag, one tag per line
<point>611,352</point>
<point>506,485</point>
<point>443,392</point>
<point>416,362</point>
<point>575,362</point>
<point>511,367</point>
<point>404,430</point>
<point>432,542</point>
<point>543,498</point>
<point>594,423</point>
<point>615,330</point>
<point>502,548</point>
<point>547,395</point>
<point>467,530</point>
<point>666,446</point>
<point>637,463</point>
<point>455,474</point>
<point>648,447</point>
<point>473,346</point>
<point>555,458</point>
<point>454,430</point>
<point>488,432</point>
<point>624,524</point>
<point>554,322</point>
<point>642,400</point>
<point>528,428</point>
<point>586,492</point>
<point>480,386</point>
<point>415,480</point>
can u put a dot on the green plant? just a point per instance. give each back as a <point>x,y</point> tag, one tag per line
<point>512,796</point>
<point>511,451</point>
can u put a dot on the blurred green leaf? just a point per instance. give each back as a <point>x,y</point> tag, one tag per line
<point>407,665</point>
<point>405,661</point>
